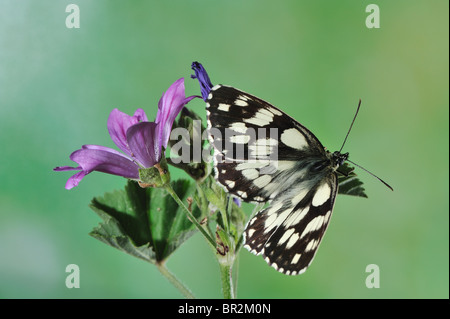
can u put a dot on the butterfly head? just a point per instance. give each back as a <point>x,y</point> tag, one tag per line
<point>339,158</point>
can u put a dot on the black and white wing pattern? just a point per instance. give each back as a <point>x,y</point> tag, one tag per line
<point>289,231</point>
<point>263,155</point>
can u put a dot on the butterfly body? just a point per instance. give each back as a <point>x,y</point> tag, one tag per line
<point>263,155</point>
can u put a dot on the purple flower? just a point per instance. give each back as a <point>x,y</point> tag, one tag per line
<point>237,201</point>
<point>203,79</point>
<point>141,141</point>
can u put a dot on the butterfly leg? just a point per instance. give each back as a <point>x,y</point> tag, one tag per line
<point>346,172</point>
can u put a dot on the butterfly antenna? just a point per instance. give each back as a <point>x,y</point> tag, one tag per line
<point>351,125</point>
<point>389,186</point>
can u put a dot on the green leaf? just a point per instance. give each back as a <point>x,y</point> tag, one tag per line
<point>111,233</point>
<point>129,208</point>
<point>214,193</point>
<point>216,196</point>
<point>144,222</point>
<point>349,184</point>
<point>169,225</point>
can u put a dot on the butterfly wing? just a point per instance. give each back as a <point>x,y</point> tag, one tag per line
<point>257,147</point>
<point>261,154</point>
<point>289,231</point>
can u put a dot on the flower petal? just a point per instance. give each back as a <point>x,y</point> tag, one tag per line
<point>66,168</point>
<point>119,123</point>
<point>106,160</point>
<point>169,106</point>
<point>75,179</point>
<point>103,148</point>
<point>142,138</point>
<point>102,159</point>
<point>140,115</point>
<point>203,79</point>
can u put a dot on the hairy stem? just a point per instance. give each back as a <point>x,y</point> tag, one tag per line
<point>227,282</point>
<point>191,217</point>
<point>174,281</point>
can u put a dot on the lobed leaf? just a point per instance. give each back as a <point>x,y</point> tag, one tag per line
<point>144,222</point>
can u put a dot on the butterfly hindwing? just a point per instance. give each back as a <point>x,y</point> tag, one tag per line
<point>289,231</point>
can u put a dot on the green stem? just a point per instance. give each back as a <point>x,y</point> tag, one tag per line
<point>191,217</point>
<point>203,204</point>
<point>174,281</point>
<point>236,275</point>
<point>227,213</point>
<point>227,282</point>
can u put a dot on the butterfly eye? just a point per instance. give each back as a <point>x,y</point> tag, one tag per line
<point>342,158</point>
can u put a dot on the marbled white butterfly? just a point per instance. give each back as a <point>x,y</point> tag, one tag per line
<point>263,155</point>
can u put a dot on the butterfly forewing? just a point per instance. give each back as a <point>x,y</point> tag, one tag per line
<point>261,154</point>
<point>256,145</point>
<point>231,111</point>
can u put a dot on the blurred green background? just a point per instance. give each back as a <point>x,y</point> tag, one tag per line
<point>313,59</point>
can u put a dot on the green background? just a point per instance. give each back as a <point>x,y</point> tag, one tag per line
<point>313,59</point>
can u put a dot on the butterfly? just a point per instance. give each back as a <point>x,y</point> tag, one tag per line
<point>261,154</point>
